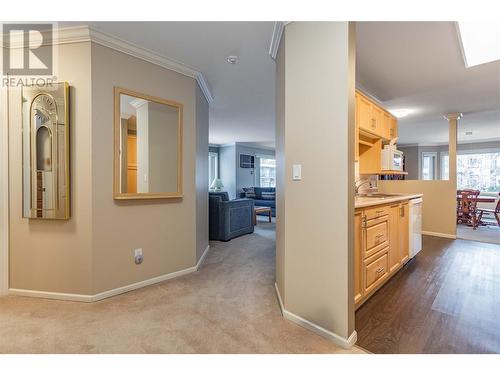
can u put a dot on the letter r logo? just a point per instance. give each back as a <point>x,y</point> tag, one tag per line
<point>27,49</point>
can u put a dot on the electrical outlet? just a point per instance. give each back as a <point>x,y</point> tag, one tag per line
<point>138,257</point>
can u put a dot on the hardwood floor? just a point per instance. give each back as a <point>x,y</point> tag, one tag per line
<point>445,300</point>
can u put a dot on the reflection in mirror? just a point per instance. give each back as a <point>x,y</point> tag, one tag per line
<point>425,146</point>
<point>46,151</point>
<point>148,143</point>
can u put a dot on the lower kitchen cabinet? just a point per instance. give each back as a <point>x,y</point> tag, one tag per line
<point>381,246</point>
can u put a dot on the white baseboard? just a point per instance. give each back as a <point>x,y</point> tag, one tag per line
<point>442,235</point>
<point>108,293</point>
<point>50,295</point>
<point>336,339</point>
<point>202,258</point>
<point>278,294</point>
<point>141,284</point>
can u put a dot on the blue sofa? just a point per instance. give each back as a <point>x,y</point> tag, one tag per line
<point>228,219</point>
<point>258,201</point>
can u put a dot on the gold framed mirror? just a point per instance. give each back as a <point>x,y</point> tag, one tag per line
<point>147,146</point>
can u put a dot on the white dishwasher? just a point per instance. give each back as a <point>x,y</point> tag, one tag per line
<point>415,226</point>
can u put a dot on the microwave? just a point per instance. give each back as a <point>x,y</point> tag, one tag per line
<point>392,159</point>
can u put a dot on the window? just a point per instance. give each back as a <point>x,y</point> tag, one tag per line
<point>429,165</point>
<point>445,166</point>
<point>212,167</point>
<point>479,170</point>
<point>267,172</point>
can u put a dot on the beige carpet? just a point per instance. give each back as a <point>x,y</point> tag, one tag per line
<point>228,306</point>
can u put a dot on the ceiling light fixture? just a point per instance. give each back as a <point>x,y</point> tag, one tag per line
<point>480,42</point>
<point>232,59</point>
<point>399,113</point>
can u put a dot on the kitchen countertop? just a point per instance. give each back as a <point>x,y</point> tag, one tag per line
<point>364,201</point>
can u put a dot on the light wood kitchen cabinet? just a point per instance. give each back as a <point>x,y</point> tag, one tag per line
<point>393,129</point>
<point>381,246</point>
<point>364,109</point>
<point>378,121</point>
<point>404,232</point>
<point>358,260</point>
<point>386,125</point>
<point>372,118</point>
<point>394,252</point>
<point>376,271</point>
<point>374,127</point>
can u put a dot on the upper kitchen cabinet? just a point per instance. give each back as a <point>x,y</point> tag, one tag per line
<point>393,129</point>
<point>364,110</point>
<point>374,127</point>
<point>372,119</point>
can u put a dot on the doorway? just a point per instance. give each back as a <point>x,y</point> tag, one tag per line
<point>478,183</point>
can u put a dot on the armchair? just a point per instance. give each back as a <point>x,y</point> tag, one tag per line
<point>229,218</point>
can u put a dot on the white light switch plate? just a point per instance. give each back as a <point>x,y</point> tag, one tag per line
<point>137,252</point>
<point>297,172</point>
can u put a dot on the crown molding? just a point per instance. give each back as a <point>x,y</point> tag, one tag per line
<point>276,38</point>
<point>79,34</point>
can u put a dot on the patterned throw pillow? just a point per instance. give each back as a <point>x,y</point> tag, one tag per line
<point>268,195</point>
<point>249,192</point>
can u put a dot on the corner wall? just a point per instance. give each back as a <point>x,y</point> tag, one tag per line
<point>315,128</point>
<point>56,255</point>
<point>166,229</point>
<point>202,121</point>
<point>92,252</point>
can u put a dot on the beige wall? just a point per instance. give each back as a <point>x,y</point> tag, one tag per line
<point>164,229</point>
<point>52,255</point>
<point>202,117</point>
<point>280,170</point>
<point>93,251</point>
<point>439,206</point>
<point>315,128</point>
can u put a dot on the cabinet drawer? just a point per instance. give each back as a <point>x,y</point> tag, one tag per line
<point>376,270</point>
<point>376,235</point>
<point>373,213</point>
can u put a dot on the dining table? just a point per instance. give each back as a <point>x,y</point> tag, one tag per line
<point>486,199</point>
<point>482,199</point>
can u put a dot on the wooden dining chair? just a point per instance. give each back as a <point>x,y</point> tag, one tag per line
<point>467,207</point>
<point>495,212</point>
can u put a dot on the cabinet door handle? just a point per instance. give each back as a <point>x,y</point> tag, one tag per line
<point>402,212</point>
<point>380,270</point>
<point>374,121</point>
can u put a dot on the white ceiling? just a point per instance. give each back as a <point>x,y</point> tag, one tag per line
<point>243,109</point>
<point>419,66</point>
<point>413,65</point>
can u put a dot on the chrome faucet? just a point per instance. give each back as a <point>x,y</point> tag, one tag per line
<point>357,185</point>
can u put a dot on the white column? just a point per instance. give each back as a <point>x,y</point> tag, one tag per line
<point>315,128</point>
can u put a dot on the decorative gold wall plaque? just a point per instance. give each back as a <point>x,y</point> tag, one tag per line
<point>46,151</point>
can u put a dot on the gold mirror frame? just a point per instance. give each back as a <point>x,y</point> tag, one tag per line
<point>116,170</point>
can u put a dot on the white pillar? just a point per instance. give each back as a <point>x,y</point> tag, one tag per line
<point>315,129</point>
